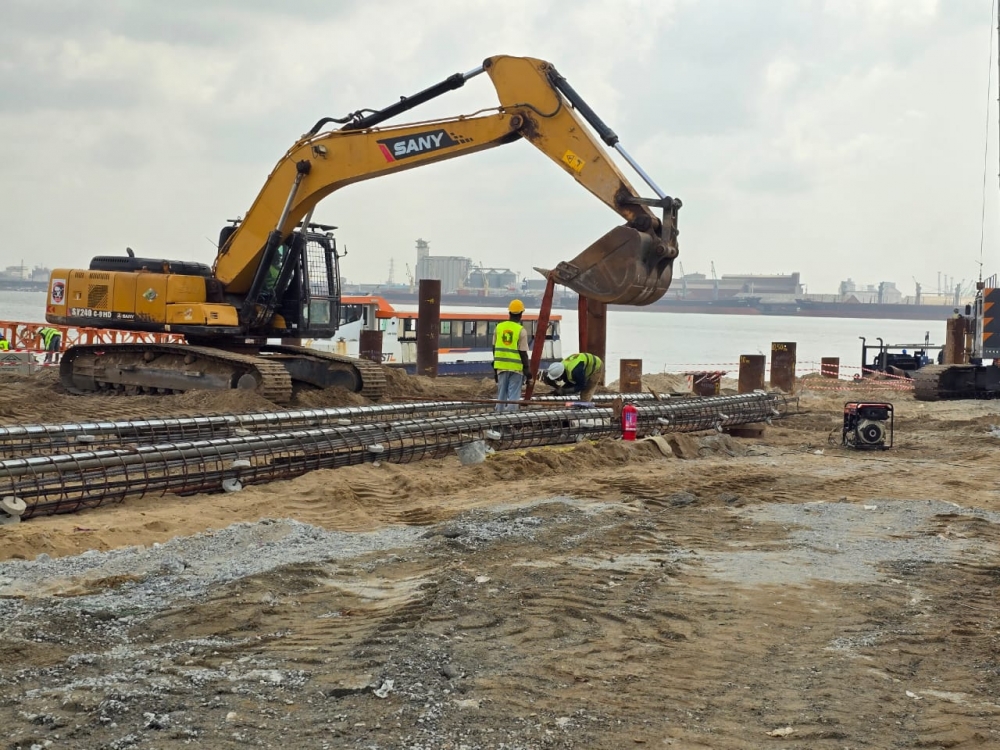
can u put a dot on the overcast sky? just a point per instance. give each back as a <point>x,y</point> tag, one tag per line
<point>832,137</point>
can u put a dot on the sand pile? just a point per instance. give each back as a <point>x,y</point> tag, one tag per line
<point>402,386</point>
<point>40,398</point>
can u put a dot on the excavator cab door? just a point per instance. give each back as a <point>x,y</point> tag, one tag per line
<point>626,266</point>
<point>319,296</point>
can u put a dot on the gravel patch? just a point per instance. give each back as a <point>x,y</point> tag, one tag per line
<point>187,566</point>
<point>844,542</point>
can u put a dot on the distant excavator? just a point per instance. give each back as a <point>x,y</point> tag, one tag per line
<point>975,345</point>
<point>276,275</point>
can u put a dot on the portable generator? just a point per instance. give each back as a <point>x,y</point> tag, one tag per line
<point>868,426</point>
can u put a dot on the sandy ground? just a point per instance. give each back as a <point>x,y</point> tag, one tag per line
<point>778,591</point>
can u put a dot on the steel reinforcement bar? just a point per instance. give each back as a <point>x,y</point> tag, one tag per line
<point>36,439</point>
<point>69,482</point>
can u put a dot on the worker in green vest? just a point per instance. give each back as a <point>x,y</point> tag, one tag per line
<point>510,357</point>
<point>4,345</point>
<point>274,270</point>
<point>579,373</point>
<point>52,342</point>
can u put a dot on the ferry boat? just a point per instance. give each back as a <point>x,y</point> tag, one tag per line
<point>465,346</point>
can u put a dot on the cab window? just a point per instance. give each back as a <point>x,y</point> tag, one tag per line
<point>349,313</point>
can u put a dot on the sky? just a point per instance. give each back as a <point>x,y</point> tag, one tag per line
<point>837,138</point>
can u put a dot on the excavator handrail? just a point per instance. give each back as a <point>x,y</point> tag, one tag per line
<point>310,137</point>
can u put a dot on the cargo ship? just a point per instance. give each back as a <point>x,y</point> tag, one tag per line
<point>742,305</point>
<point>728,294</point>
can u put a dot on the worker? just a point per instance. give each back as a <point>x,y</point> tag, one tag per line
<point>274,270</point>
<point>510,357</point>
<point>52,341</point>
<point>4,345</point>
<point>580,373</point>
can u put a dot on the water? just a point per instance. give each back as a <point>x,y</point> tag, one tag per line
<point>24,307</point>
<point>674,342</point>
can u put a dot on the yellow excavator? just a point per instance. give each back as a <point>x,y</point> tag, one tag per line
<point>276,275</point>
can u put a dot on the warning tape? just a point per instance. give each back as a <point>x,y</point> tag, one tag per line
<point>36,355</point>
<point>856,385</point>
<point>666,368</point>
<point>864,378</point>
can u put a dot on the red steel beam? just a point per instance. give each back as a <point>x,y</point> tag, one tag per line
<point>541,328</point>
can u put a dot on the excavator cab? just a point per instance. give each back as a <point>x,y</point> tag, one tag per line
<point>297,285</point>
<point>307,284</point>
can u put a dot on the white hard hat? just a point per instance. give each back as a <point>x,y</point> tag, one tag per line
<point>556,370</point>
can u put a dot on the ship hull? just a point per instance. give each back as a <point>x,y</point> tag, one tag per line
<point>800,308</point>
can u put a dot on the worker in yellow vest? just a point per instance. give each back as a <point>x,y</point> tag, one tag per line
<point>510,357</point>
<point>52,341</point>
<point>580,373</point>
<point>4,345</point>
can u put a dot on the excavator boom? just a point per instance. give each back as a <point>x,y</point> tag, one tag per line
<point>630,265</point>
<point>276,275</point>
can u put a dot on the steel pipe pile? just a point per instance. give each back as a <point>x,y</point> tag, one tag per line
<point>69,482</point>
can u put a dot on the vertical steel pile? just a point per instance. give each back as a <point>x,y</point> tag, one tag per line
<point>66,483</point>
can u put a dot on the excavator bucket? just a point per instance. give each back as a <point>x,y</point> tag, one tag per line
<point>624,267</point>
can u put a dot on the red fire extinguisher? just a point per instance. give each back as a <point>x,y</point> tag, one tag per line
<point>630,421</point>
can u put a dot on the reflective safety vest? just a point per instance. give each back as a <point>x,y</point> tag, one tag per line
<point>4,346</point>
<point>47,334</point>
<point>274,270</point>
<point>591,363</point>
<point>505,352</point>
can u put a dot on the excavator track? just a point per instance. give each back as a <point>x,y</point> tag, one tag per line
<point>927,383</point>
<point>939,382</point>
<point>369,376</point>
<point>169,368</point>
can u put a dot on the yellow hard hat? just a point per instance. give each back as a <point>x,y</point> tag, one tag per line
<point>516,306</point>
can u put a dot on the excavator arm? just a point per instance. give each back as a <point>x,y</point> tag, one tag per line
<point>276,274</point>
<point>632,264</point>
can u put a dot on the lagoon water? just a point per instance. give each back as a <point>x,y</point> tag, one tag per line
<point>674,342</point>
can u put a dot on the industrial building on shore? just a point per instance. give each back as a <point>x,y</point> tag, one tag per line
<point>466,281</point>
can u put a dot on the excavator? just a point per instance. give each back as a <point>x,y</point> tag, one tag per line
<point>976,352</point>
<point>276,275</point>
